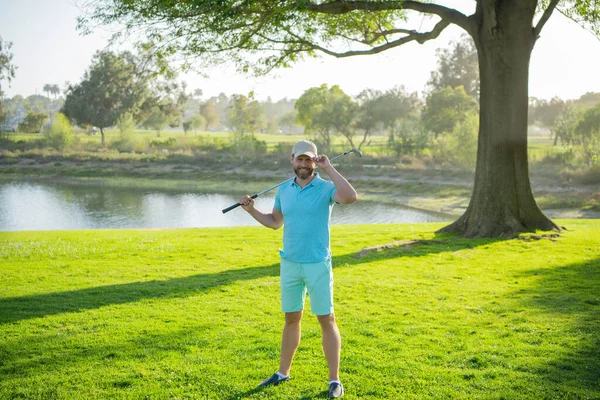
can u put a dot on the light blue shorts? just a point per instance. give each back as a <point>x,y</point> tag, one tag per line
<point>299,278</point>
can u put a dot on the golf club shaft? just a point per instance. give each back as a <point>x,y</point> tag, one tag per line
<point>236,205</point>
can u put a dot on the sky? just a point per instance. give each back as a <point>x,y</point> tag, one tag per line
<point>48,50</point>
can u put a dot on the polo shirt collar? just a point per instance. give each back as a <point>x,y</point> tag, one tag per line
<point>316,181</point>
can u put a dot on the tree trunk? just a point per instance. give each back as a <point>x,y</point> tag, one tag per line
<point>502,202</point>
<point>102,134</point>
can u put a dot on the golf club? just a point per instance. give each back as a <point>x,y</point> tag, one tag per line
<point>231,207</point>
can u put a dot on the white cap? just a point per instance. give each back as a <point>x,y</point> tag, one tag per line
<point>304,147</point>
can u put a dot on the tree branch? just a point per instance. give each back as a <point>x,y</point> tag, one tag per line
<point>343,7</point>
<point>578,23</point>
<point>545,17</point>
<point>418,37</point>
<point>377,35</point>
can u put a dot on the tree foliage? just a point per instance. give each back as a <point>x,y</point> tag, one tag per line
<point>164,103</point>
<point>7,70</point>
<point>246,114</point>
<point>111,86</point>
<point>209,112</point>
<point>587,135</point>
<point>394,105</point>
<point>315,112</point>
<point>52,89</point>
<point>457,66</point>
<point>546,112</point>
<point>198,122</point>
<point>33,122</point>
<point>459,146</point>
<point>445,108</point>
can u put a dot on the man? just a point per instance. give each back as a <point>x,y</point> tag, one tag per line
<point>304,205</point>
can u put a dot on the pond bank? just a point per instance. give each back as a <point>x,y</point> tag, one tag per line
<point>439,191</point>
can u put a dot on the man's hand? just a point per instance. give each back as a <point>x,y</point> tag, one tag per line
<point>322,161</point>
<point>247,203</point>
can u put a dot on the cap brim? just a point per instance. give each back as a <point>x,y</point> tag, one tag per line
<point>306,153</point>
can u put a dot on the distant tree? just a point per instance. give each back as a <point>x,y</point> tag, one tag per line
<point>367,113</point>
<point>587,135</point>
<point>51,89</point>
<point>156,120</point>
<point>459,146</point>
<point>197,93</point>
<point>272,125</point>
<point>565,123</point>
<point>197,122</point>
<point>165,104</point>
<point>588,99</point>
<point>7,71</point>
<point>546,113</point>
<point>457,66</point>
<point>111,86</point>
<point>33,122</point>
<point>409,138</point>
<point>187,126</point>
<point>46,89</point>
<point>55,90</point>
<point>310,115</point>
<point>325,110</point>
<point>288,120</point>
<point>394,105</point>
<point>445,108</point>
<point>339,111</point>
<point>209,112</point>
<point>246,114</point>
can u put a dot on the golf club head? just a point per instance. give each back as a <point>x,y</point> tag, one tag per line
<point>356,152</point>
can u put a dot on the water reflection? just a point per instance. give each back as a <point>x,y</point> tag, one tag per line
<point>35,206</point>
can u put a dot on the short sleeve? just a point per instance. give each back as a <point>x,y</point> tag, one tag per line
<point>277,205</point>
<point>332,191</point>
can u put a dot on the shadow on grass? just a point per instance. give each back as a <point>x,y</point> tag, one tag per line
<point>15,309</point>
<point>571,293</point>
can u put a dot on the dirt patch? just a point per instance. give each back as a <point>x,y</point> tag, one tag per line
<point>404,244</point>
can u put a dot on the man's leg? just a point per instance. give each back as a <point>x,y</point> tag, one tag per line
<point>332,344</point>
<point>290,340</point>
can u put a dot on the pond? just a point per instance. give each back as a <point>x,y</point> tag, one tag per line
<point>44,206</point>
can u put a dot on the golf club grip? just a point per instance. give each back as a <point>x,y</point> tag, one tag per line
<point>236,205</point>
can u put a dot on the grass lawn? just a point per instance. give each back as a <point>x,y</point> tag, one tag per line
<point>194,313</point>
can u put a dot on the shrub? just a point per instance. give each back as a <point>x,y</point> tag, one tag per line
<point>60,135</point>
<point>248,145</point>
<point>459,147</point>
<point>126,125</point>
<point>283,148</point>
<point>169,143</point>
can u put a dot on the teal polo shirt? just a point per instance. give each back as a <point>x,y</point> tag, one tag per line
<point>306,215</point>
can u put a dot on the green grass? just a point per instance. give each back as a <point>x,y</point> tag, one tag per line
<point>194,313</point>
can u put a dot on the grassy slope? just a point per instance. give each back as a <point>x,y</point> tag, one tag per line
<point>194,313</point>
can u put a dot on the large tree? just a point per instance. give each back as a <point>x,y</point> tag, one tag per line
<point>273,33</point>
<point>7,70</point>
<point>112,86</point>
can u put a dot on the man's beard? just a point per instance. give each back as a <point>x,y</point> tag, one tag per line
<point>303,173</point>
